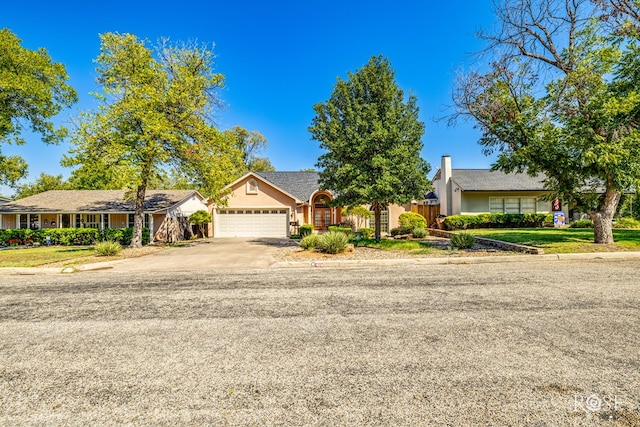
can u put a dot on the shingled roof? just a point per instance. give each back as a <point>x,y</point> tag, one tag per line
<point>487,180</point>
<point>93,201</point>
<point>301,185</point>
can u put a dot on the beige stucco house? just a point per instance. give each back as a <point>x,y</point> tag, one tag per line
<point>275,204</point>
<point>476,191</point>
<point>164,210</point>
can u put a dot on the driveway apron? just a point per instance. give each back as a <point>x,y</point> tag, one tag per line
<point>210,254</point>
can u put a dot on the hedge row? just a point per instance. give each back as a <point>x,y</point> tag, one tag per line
<point>70,236</point>
<point>463,222</point>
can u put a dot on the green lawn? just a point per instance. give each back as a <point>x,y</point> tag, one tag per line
<point>33,257</point>
<point>415,247</point>
<point>562,240</point>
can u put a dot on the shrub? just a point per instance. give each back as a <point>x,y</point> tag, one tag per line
<point>411,220</point>
<point>397,231</point>
<point>73,236</point>
<point>346,230</point>
<point>333,242</point>
<point>582,223</point>
<point>306,230</point>
<point>107,248</point>
<point>464,222</point>
<point>366,232</point>
<point>419,232</point>
<point>626,223</point>
<point>462,241</point>
<point>309,242</point>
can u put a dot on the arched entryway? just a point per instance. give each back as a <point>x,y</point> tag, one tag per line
<point>323,215</point>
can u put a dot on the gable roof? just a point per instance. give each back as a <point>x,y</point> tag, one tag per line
<point>94,201</point>
<point>301,185</point>
<point>488,180</point>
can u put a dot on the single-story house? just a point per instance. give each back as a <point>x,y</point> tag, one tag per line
<point>476,191</point>
<point>275,204</point>
<point>165,211</point>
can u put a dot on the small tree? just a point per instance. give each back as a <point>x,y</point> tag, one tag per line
<point>372,138</point>
<point>200,218</point>
<point>360,213</point>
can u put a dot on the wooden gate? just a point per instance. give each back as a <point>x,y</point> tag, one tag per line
<point>430,212</point>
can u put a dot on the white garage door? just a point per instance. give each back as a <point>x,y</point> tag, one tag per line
<point>252,223</point>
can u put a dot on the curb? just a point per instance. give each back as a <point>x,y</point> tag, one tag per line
<point>457,260</point>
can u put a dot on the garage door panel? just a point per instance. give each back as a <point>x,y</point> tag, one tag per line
<point>252,222</point>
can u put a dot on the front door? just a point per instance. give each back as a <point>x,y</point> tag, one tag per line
<point>322,219</point>
<point>321,212</point>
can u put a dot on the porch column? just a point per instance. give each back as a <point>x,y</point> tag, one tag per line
<point>151,239</point>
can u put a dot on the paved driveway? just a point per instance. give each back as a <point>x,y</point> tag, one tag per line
<point>239,254</point>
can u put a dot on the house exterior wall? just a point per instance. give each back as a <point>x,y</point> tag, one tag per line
<point>187,207</point>
<point>394,214</point>
<point>473,203</point>
<point>266,196</point>
<point>9,221</point>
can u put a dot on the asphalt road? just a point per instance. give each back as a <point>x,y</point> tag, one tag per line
<point>532,343</point>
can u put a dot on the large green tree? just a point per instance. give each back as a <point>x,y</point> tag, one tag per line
<point>372,137</point>
<point>155,114</point>
<point>251,143</point>
<point>561,97</point>
<point>45,182</point>
<point>33,89</point>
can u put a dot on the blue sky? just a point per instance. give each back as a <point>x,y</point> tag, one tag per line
<point>279,59</point>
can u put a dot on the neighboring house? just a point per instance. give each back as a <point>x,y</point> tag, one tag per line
<point>165,211</point>
<point>275,204</point>
<point>475,191</point>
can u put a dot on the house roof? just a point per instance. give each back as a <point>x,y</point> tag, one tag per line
<point>301,185</point>
<point>94,201</point>
<point>488,180</point>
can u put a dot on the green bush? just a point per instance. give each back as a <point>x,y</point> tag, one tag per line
<point>346,230</point>
<point>582,223</point>
<point>333,242</point>
<point>529,220</point>
<point>73,236</point>
<point>419,232</point>
<point>397,231</point>
<point>411,220</point>
<point>626,223</point>
<point>309,242</point>
<point>306,230</point>
<point>107,248</point>
<point>462,241</point>
<point>366,232</point>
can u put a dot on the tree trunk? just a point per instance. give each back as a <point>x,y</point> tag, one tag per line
<point>602,219</point>
<point>138,217</point>
<point>377,215</point>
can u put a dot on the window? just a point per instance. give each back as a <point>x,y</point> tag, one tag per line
<point>384,219</point>
<point>513,205</point>
<point>131,219</point>
<point>496,205</point>
<point>24,220</point>
<point>528,205</point>
<point>90,221</point>
<point>252,186</point>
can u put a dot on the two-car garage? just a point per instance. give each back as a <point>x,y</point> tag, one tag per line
<point>254,222</point>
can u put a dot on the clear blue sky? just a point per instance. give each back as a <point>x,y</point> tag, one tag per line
<point>279,59</point>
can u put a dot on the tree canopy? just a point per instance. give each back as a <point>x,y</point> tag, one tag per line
<point>45,182</point>
<point>372,138</point>
<point>561,96</point>
<point>155,113</point>
<point>33,89</point>
<point>250,143</point>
